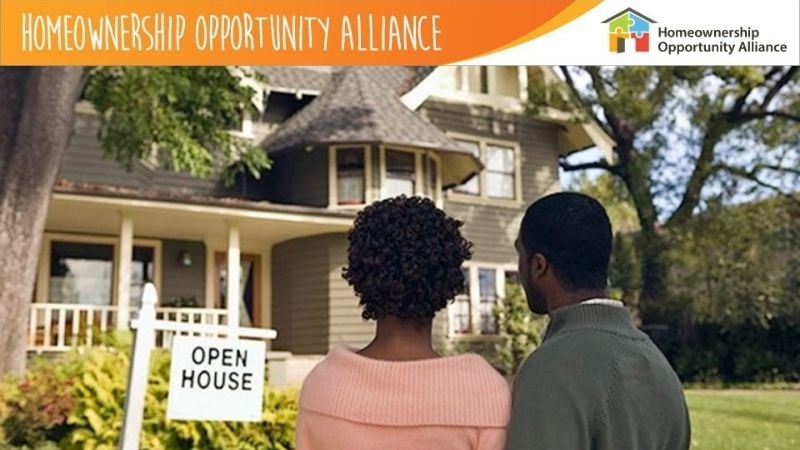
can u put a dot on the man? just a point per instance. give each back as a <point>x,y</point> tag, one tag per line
<point>596,382</point>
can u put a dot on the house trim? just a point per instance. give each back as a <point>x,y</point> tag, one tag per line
<point>483,198</point>
<point>43,269</point>
<point>224,212</point>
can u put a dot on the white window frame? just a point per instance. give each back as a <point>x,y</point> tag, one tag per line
<point>333,177</point>
<point>419,172</point>
<point>43,269</point>
<point>482,198</point>
<point>473,268</point>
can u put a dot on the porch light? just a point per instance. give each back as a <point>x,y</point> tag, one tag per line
<point>185,259</point>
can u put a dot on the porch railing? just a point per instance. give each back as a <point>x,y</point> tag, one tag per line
<point>56,327</point>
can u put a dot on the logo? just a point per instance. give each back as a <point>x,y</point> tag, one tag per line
<point>625,25</point>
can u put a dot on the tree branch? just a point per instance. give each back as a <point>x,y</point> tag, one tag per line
<point>783,81</point>
<point>751,175</point>
<point>599,164</point>
<point>745,117</point>
<point>574,89</point>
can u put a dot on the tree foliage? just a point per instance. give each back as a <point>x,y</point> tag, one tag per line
<point>740,265</point>
<point>180,117</point>
<point>684,135</point>
<point>521,331</point>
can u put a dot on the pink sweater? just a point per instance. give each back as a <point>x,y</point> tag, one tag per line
<point>350,402</point>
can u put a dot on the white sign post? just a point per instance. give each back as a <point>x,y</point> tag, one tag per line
<point>228,374</point>
<point>216,379</point>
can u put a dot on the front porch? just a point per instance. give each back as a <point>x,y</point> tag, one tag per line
<point>99,250</point>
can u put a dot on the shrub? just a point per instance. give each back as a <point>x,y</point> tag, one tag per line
<point>78,399</point>
<point>520,328</point>
<point>36,406</point>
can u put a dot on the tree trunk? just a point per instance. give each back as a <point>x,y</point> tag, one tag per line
<point>654,305</point>
<point>36,122</point>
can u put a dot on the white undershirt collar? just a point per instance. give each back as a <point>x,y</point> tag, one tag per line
<point>603,301</point>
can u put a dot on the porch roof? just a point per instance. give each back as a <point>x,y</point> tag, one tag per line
<point>360,106</point>
<point>93,208</point>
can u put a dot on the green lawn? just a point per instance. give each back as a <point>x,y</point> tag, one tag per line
<point>744,420</point>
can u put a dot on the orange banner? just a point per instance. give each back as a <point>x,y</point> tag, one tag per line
<point>210,32</point>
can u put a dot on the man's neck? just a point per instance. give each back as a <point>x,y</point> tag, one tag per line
<point>568,298</point>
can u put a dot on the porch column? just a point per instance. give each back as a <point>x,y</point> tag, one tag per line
<point>233,294</point>
<point>124,256</point>
<point>266,276</point>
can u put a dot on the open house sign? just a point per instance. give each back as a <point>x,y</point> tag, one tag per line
<point>216,379</point>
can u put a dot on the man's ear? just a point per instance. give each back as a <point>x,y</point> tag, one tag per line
<point>539,266</point>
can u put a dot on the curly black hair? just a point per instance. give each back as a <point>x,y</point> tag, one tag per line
<point>405,258</point>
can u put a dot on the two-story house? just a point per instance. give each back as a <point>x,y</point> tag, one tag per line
<point>339,139</point>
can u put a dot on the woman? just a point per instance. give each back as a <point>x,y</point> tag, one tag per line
<point>404,263</point>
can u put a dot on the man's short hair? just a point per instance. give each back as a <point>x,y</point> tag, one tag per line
<point>573,232</point>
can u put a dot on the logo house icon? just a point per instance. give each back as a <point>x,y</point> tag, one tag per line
<point>628,24</point>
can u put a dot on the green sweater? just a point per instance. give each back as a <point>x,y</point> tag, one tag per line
<point>598,383</point>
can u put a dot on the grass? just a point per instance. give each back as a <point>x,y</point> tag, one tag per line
<point>744,419</point>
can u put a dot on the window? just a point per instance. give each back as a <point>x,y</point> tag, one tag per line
<point>400,173</point>
<point>512,277</point>
<point>142,271</point>
<point>488,296</point>
<point>499,178</point>
<point>472,186</point>
<point>461,314</point>
<point>500,171</point>
<point>350,163</point>
<point>83,273</point>
<point>473,311</point>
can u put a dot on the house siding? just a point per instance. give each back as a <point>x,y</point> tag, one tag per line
<point>347,327</point>
<point>493,229</point>
<point>299,178</point>
<point>180,281</point>
<point>300,295</point>
<point>84,163</point>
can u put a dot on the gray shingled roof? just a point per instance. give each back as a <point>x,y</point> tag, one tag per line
<point>360,105</point>
<point>315,78</point>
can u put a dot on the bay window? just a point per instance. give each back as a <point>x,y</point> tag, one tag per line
<point>400,175</point>
<point>350,175</point>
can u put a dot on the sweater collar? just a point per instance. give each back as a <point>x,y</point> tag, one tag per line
<point>592,316</point>
<point>452,391</point>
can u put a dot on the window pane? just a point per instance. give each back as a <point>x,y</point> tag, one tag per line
<point>499,159</point>
<point>81,273</point>
<point>512,277</point>
<point>488,297</point>
<point>350,175</point>
<point>499,185</point>
<point>400,173</point>
<point>461,308</point>
<point>472,186</point>
<point>142,271</point>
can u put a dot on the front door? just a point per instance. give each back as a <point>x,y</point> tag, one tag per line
<point>249,287</point>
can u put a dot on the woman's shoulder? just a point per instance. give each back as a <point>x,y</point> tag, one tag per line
<point>346,384</point>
